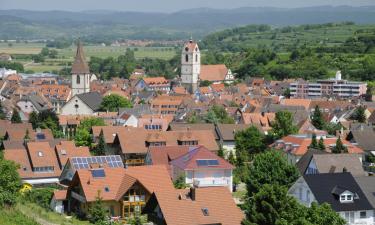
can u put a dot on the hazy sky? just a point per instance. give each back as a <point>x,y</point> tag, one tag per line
<point>165,5</point>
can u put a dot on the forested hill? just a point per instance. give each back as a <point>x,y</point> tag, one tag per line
<point>22,24</point>
<point>306,51</point>
<point>323,36</point>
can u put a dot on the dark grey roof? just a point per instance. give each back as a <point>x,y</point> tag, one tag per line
<point>336,163</point>
<point>367,184</point>
<point>37,101</point>
<point>326,186</point>
<point>137,110</point>
<point>304,161</point>
<point>91,99</point>
<point>226,132</point>
<point>364,138</point>
<point>371,119</point>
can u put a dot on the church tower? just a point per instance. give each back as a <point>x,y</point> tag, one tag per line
<point>80,72</point>
<point>190,65</point>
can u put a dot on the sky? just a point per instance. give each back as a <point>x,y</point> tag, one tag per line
<point>166,5</point>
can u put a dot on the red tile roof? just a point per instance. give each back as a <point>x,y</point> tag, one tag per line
<point>213,72</point>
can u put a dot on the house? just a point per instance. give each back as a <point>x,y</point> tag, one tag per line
<point>58,201</point>
<point>166,104</point>
<point>57,94</point>
<point>76,163</point>
<point>364,138</point>
<point>226,133</point>
<point>18,133</point>
<point>295,146</point>
<point>154,84</point>
<point>203,168</point>
<point>194,126</point>
<point>134,150</point>
<point>83,104</point>
<point>216,73</point>
<point>154,122</point>
<point>33,103</point>
<point>261,120</point>
<point>194,206</point>
<point>340,191</point>
<point>318,162</point>
<point>5,57</point>
<point>163,155</point>
<point>41,162</point>
<point>124,192</point>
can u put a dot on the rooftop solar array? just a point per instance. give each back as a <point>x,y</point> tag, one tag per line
<point>84,162</point>
<point>207,162</point>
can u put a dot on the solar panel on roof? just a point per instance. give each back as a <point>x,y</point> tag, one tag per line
<point>40,136</point>
<point>98,173</point>
<point>84,162</point>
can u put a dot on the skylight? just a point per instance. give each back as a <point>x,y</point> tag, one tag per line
<point>207,162</point>
<point>98,173</point>
<point>205,212</point>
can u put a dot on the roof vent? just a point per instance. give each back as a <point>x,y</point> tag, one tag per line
<point>63,152</point>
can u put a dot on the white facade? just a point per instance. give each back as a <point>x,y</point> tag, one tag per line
<point>205,177</point>
<point>301,191</point>
<point>75,106</point>
<point>80,83</point>
<point>190,63</point>
<point>26,106</point>
<point>57,206</point>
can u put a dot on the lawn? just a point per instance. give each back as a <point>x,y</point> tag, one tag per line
<point>36,211</point>
<point>21,48</point>
<point>12,216</point>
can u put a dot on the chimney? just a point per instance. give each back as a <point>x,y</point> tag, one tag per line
<point>192,193</point>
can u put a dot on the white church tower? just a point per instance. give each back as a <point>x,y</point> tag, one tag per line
<point>190,65</point>
<point>80,73</point>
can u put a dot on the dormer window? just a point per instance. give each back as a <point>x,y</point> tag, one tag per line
<point>346,197</point>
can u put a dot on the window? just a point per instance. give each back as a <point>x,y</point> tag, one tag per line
<point>308,195</point>
<point>106,189</point>
<point>186,58</point>
<point>349,198</point>
<point>196,58</point>
<point>342,198</point>
<point>78,79</point>
<point>362,214</point>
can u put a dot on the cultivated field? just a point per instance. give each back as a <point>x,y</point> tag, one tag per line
<point>67,55</point>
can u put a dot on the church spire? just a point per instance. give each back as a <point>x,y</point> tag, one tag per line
<point>80,65</point>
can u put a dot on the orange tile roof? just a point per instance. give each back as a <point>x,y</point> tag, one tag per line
<point>62,92</point>
<point>303,143</point>
<point>59,194</point>
<point>110,132</point>
<point>155,80</point>
<point>119,180</point>
<point>213,72</point>
<point>179,209</point>
<point>67,149</point>
<point>190,46</point>
<point>138,145</point>
<point>41,154</point>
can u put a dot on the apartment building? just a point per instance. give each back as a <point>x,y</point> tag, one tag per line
<point>325,88</point>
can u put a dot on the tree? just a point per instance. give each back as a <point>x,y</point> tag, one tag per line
<point>317,118</point>
<point>314,142</point>
<point>217,114</point>
<point>339,147</point>
<point>270,167</point>
<point>82,138</point>
<point>321,145</point>
<point>287,93</point>
<point>283,124</point>
<point>16,118</point>
<point>360,114</point>
<point>27,135</point>
<point>2,113</point>
<point>97,212</point>
<point>205,83</point>
<point>180,183</point>
<point>34,119</point>
<point>272,205</point>
<point>248,142</point>
<point>10,182</point>
<point>113,102</point>
<point>100,147</point>
<point>221,152</point>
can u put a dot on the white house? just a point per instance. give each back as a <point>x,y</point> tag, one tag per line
<point>57,201</point>
<point>202,168</point>
<point>82,104</point>
<point>340,190</point>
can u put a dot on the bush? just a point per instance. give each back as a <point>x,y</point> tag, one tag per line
<point>40,196</point>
